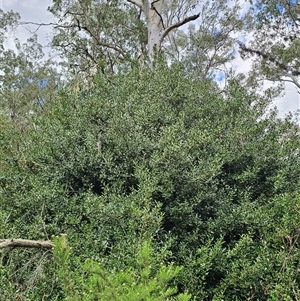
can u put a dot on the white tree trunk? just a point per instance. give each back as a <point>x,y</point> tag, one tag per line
<point>156,31</point>
<point>154,24</point>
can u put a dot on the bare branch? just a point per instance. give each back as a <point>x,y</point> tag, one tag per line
<point>153,7</point>
<point>55,25</point>
<point>25,243</point>
<point>80,27</point>
<point>176,25</point>
<point>271,59</point>
<point>136,2</point>
<point>99,43</point>
<point>38,25</point>
<point>294,81</point>
<point>86,51</point>
<point>73,14</point>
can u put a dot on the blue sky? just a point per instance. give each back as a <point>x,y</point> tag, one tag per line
<point>36,11</point>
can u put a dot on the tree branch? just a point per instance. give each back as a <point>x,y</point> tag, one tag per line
<point>171,27</point>
<point>136,2</point>
<point>80,27</point>
<point>25,243</point>
<point>38,25</point>
<point>293,80</point>
<point>153,7</point>
<point>97,41</point>
<point>271,59</point>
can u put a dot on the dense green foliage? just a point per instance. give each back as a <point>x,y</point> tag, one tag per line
<point>208,176</point>
<point>146,280</point>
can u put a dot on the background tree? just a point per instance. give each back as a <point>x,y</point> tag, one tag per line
<point>27,78</point>
<point>93,34</point>
<point>275,43</point>
<point>208,46</point>
<point>138,25</point>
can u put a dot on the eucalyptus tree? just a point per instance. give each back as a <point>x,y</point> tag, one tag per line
<point>275,46</point>
<point>27,77</point>
<point>208,46</point>
<point>110,35</point>
<point>94,30</point>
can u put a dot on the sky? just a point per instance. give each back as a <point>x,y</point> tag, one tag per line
<point>36,11</point>
<point>31,10</point>
<point>289,102</point>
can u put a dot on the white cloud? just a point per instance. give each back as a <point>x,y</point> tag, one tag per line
<point>289,102</point>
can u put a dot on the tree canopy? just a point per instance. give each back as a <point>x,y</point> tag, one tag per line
<point>276,41</point>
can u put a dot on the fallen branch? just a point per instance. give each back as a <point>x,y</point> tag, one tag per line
<point>25,243</point>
